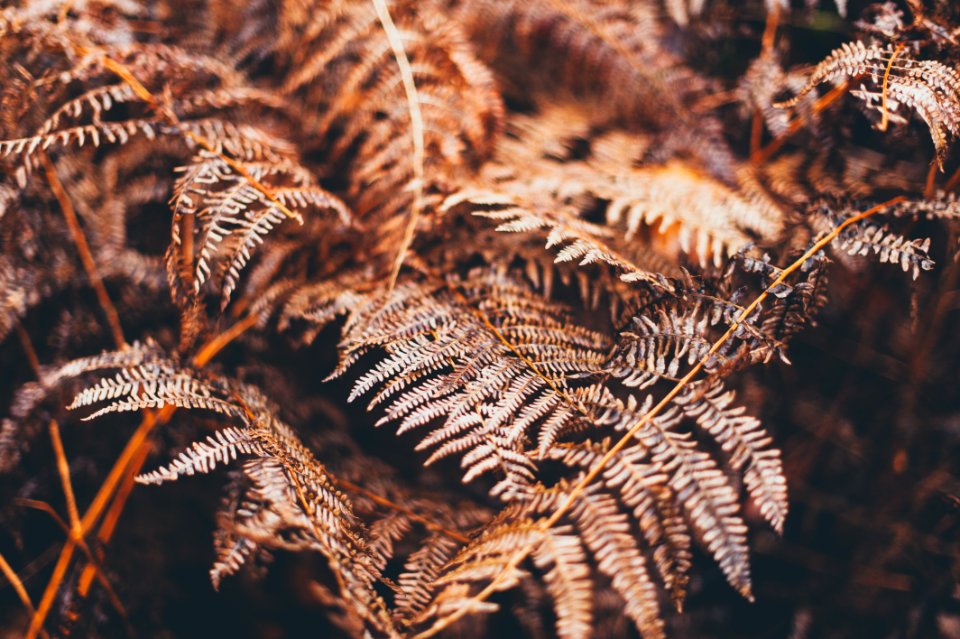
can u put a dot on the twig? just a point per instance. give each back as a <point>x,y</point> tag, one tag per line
<point>17,584</point>
<point>28,349</point>
<point>775,144</point>
<point>930,186</point>
<point>884,112</point>
<point>75,534</point>
<point>770,30</point>
<point>83,248</point>
<point>63,468</point>
<point>766,51</point>
<point>95,564</point>
<point>110,519</point>
<point>124,466</point>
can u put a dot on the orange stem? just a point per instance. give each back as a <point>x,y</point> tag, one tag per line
<point>28,349</point>
<point>83,248</point>
<point>775,145</point>
<point>930,186</point>
<point>17,584</point>
<point>884,113</point>
<point>123,467</point>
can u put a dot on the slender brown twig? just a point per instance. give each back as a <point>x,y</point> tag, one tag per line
<point>416,134</point>
<point>17,584</point>
<point>124,466</point>
<point>764,154</point>
<point>83,248</point>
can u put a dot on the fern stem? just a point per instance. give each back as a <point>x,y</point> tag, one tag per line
<point>770,29</point>
<point>63,468</point>
<point>83,248</point>
<point>28,350</point>
<point>128,464</point>
<point>18,587</point>
<point>884,112</point>
<point>75,529</point>
<point>775,145</point>
<point>110,519</point>
<point>94,565</point>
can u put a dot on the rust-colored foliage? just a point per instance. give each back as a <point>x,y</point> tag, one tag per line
<point>554,240</point>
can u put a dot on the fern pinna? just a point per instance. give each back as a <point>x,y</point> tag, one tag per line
<point>546,246</point>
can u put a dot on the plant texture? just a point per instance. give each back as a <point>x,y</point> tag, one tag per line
<point>558,251</point>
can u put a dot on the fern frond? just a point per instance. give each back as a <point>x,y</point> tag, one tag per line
<point>709,501</point>
<point>889,247</point>
<point>576,238</point>
<point>222,447</point>
<point>642,488</point>
<point>343,67</point>
<point>296,504</point>
<point>879,241</point>
<point>494,361</point>
<point>418,580</point>
<point>562,556</point>
<point>607,533</point>
<point>745,441</point>
<point>944,206</point>
<point>893,78</point>
<point>233,216</point>
<point>152,385</point>
<point>709,220</point>
<point>659,342</point>
<point>793,310</point>
<point>233,551</point>
<point>675,207</point>
<point>587,48</point>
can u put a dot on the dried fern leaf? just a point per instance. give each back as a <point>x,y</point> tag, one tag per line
<point>222,447</point>
<point>659,342</point>
<point>343,67</point>
<point>745,441</point>
<point>233,216</point>
<point>642,488</point>
<point>562,556</point>
<point>709,501</point>
<point>586,48</point>
<point>494,362</point>
<point>297,504</point>
<point>893,78</point>
<point>417,582</point>
<point>606,531</point>
<point>575,238</point>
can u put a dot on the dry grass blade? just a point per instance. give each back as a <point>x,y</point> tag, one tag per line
<point>416,133</point>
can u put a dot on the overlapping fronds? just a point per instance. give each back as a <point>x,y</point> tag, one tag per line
<point>456,188</point>
<point>343,67</point>
<point>494,362</point>
<point>589,48</point>
<point>291,502</point>
<point>892,78</point>
<point>232,216</point>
